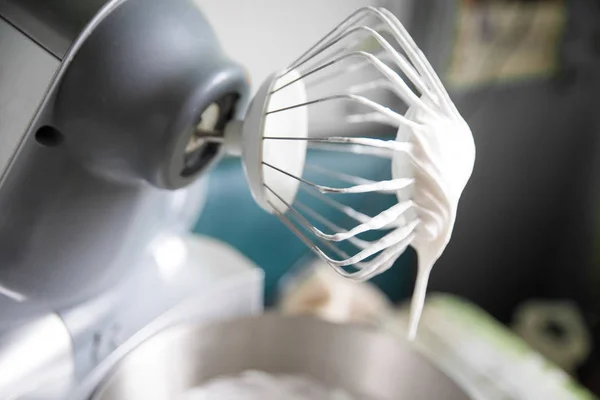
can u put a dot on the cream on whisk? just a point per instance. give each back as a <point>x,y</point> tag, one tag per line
<point>442,156</point>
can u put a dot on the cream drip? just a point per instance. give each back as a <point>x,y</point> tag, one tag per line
<point>443,156</point>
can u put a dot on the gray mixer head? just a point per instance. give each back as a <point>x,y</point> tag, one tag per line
<point>98,104</point>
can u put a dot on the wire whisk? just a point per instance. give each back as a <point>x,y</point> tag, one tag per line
<point>358,149</point>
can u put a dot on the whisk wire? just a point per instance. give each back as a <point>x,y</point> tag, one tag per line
<point>352,19</point>
<point>337,237</point>
<point>359,243</point>
<point>327,37</point>
<point>309,228</point>
<point>382,245</point>
<point>414,54</point>
<point>344,209</point>
<point>400,119</point>
<point>379,222</point>
<point>351,212</point>
<point>352,148</point>
<point>371,85</point>
<point>387,186</point>
<point>377,246</point>
<point>340,176</point>
<point>389,246</point>
<point>354,67</point>
<point>397,58</point>
<point>401,88</point>
<point>391,145</point>
<point>417,57</point>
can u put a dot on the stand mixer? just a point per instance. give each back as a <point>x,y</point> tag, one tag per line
<point>99,184</point>
<point>116,110</point>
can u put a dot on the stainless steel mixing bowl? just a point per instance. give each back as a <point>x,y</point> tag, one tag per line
<point>359,360</point>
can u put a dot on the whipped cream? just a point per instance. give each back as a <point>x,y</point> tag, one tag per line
<point>442,158</point>
<point>260,385</point>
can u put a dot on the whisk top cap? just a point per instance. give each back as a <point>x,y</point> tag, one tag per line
<point>264,141</point>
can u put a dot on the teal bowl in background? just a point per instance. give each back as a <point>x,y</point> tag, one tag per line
<point>232,216</point>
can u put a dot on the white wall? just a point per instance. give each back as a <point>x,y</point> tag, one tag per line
<point>267,35</point>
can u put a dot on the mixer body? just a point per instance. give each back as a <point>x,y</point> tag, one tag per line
<point>98,103</point>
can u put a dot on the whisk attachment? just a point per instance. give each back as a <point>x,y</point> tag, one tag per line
<point>367,69</point>
<point>258,154</point>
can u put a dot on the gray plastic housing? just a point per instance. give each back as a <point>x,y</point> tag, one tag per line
<point>132,95</point>
<point>98,175</point>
